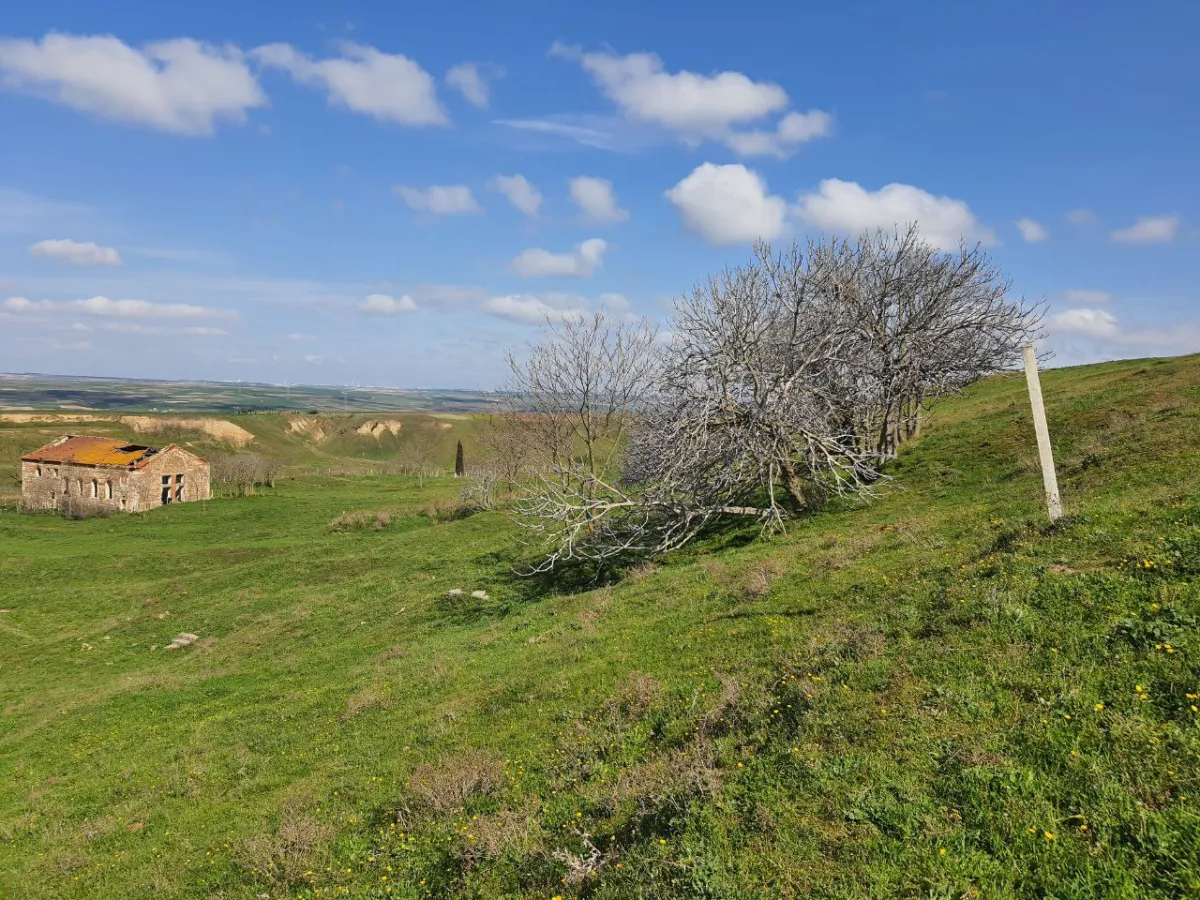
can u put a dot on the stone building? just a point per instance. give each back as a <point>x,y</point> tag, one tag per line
<point>111,473</point>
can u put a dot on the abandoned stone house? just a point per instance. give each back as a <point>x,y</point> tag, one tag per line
<point>111,473</point>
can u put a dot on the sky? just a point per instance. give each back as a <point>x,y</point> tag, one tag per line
<point>397,194</point>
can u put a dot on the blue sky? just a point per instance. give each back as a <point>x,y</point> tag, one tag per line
<point>318,192</point>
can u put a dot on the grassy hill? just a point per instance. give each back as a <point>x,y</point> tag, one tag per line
<point>933,696</point>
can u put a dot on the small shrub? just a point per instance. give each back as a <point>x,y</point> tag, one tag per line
<point>360,521</point>
<point>282,858</point>
<point>759,579</point>
<point>450,784</point>
<point>507,833</point>
<point>635,697</point>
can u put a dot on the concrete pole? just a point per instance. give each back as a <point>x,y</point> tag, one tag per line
<point>1045,453</point>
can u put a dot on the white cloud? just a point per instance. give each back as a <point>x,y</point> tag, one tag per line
<point>695,106</point>
<point>297,336</point>
<point>1082,217</point>
<point>846,206</point>
<point>102,306</point>
<point>385,305</point>
<point>1148,230</point>
<point>1032,230</point>
<point>1082,297</point>
<point>617,304</point>
<point>794,129</point>
<point>595,199</point>
<point>728,204</point>
<point>684,101</point>
<point>532,310</point>
<point>520,193</point>
<point>1114,338</point>
<point>471,83</point>
<point>313,358</point>
<point>25,306</point>
<point>180,86</point>
<point>1094,323</point>
<point>189,331</point>
<point>389,87</point>
<point>125,309</point>
<point>584,260</point>
<point>76,254</point>
<point>439,199</point>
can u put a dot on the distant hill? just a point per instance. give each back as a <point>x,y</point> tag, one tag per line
<point>27,392</point>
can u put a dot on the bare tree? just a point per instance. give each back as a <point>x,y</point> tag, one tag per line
<point>243,472</point>
<point>578,386</point>
<point>789,380</point>
<point>416,452</point>
<point>574,395</point>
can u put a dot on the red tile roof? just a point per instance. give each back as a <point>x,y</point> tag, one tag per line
<point>82,450</point>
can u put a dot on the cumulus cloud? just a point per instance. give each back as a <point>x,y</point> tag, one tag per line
<point>76,254</point>
<point>683,101</point>
<point>102,306</point>
<point>180,86</point>
<point>1094,323</point>
<point>582,261</point>
<point>25,306</point>
<point>439,199</point>
<point>728,204</point>
<point>519,192</point>
<point>468,80</point>
<point>595,199</point>
<point>846,206</point>
<point>1085,297</point>
<point>385,305</point>
<point>1111,338</point>
<point>389,87</point>
<point>532,310</point>
<point>794,129</point>
<point>1032,230</point>
<point>696,106</point>
<point>1148,230</point>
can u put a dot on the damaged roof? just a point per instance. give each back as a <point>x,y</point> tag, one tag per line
<point>82,450</point>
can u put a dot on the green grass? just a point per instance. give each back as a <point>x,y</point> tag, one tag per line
<point>933,696</point>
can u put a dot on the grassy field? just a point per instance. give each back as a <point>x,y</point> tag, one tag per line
<point>936,696</point>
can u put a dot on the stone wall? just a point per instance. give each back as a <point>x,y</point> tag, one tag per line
<point>45,485</point>
<point>187,479</point>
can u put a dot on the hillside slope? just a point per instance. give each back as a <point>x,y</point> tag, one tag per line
<point>933,696</point>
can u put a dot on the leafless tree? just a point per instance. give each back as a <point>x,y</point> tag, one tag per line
<point>578,386</point>
<point>416,452</point>
<point>786,381</point>
<point>243,472</point>
<point>509,446</point>
<point>574,395</point>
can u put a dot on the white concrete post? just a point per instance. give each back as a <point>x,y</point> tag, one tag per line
<point>1045,453</point>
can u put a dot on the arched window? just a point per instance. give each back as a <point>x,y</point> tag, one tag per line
<point>95,489</point>
<point>108,491</point>
<point>38,471</point>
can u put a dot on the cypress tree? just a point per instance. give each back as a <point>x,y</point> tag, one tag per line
<point>459,468</point>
